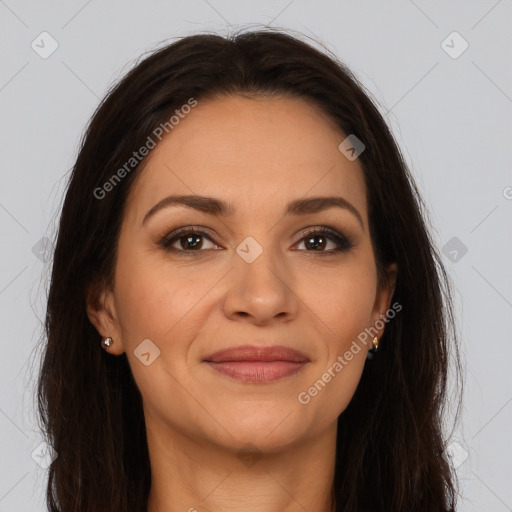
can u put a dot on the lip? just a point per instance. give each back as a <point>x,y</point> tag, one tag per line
<point>257,371</point>
<point>255,364</point>
<point>253,353</point>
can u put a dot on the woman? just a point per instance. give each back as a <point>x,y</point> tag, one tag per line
<point>242,235</point>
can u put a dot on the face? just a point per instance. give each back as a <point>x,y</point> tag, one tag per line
<point>259,273</point>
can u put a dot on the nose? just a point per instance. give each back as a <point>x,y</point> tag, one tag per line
<point>260,291</point>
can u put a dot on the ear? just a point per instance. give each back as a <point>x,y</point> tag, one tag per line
<point>102,314</point>
<point>383,298</point>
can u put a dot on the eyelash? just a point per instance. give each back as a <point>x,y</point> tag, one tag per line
<point>343,242</point>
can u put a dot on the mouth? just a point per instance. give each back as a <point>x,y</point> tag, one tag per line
<point>254,364</point>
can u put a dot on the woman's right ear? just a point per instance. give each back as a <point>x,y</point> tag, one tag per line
<point>101,312</point>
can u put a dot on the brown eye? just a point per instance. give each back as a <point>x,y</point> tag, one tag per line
<point>186,240</point>
<point>318,240</point>
<point>190,240</point>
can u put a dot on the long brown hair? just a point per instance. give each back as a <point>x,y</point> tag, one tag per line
<point>390,453</point>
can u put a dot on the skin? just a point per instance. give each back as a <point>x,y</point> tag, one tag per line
<point>257,154</point>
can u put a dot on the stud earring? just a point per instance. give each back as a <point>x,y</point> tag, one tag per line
<point>106,343</point>
<point>373,350</point>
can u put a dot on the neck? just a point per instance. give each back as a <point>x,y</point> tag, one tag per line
<point>191,475</point>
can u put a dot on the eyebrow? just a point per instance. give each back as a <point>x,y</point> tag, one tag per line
<point>214,206</point>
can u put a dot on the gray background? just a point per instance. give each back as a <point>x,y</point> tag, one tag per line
<point>451,117</point>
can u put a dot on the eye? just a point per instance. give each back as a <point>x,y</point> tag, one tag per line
<point>318,239</point>
<point>190,239</point>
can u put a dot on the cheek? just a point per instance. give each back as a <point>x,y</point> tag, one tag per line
<point>345,308</point>
<point>153,302</point>
<point>345,304</point>
<point>155,299</point>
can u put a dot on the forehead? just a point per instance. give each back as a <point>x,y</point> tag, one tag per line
<point>247,150</point>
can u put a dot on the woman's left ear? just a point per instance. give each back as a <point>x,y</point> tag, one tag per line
<point>384,296</point>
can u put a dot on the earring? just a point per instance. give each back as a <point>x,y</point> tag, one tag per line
<point>371,353</point>
<point>106,343</point>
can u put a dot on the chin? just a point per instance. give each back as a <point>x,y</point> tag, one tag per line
<point>269,431</point>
